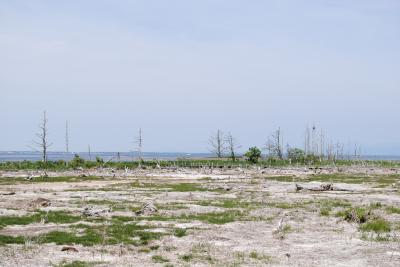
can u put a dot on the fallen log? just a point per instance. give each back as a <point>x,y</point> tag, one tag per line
<point>321,188</point>
<point>69,248</point>
<point>7,194</point>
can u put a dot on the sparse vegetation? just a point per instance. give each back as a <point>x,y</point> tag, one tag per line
<point>159,259</point>
<point>378,225</point>
<point>249,203</point>
<point>180,232</point>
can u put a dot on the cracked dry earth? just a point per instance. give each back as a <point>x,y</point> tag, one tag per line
<point>220,218</point>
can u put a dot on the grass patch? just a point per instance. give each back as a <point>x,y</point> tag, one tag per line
<point>259,256</point>
<point>187,257</point>
<point>378,225</point>
<point>179,232</point>
<point>159,259</point>
<point>51,217</point>
<point>393,209</point>
<point>211,217</point>
<point>5,239</point>
<point>113,234</point>
<point>325,211</point>
<point>282,178</point>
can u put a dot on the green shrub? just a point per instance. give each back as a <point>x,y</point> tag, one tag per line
<point>253,154</point>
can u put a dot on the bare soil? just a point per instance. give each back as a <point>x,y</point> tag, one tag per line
<point>267,221</point>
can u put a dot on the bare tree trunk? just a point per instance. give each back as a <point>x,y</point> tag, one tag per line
<point>232,146</point>
<point>42,138</point>
<point>217,144</point>
<point>307,142</point>
<point>276,143</point>
<point>139,142</point>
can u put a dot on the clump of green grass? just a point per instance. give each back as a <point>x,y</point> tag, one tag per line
<point>180,232</point>
<point>378,225</point>
<point>393,209</point>
<point>5,239</point>
<point>159,259</point>
<point>89,238</point>
<point>216,217</point>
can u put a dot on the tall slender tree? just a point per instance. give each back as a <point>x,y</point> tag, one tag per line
<point>232,146</point>
<point>217,144</point>
<point>139,143</point>
<point>41,141</point>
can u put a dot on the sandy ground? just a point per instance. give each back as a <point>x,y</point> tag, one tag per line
<point>282,227</point>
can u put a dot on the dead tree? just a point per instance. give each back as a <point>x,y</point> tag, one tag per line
<point>41,141</point>
<point>139,143</point>
<point>217,144</point>
<point>275,143</point>
<point>232,146</point>
<point>307,141</point>
<point>90,153</point>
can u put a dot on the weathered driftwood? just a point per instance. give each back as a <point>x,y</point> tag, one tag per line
<point>40,202</point>
<point>69,248</point>
<point>147,209</point>
<point>322,187</point>
<point>7,194</point>
<point>91,212</point>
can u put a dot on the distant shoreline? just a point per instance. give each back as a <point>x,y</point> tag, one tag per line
<point>129,156</point>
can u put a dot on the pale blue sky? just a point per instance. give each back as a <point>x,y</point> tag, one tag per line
<point>182,69</point>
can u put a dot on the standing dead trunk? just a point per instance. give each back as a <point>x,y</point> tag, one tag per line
<point>41,141</point>
<point>217,144</point>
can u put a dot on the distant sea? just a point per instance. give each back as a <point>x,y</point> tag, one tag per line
<point>127,156</point>
<point>106,156</point>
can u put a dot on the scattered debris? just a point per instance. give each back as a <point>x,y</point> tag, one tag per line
<point>322,187</point>
<point>40,202</point>
<point>91,212</point>
<point>147,209</point>
<point>358,217</point>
